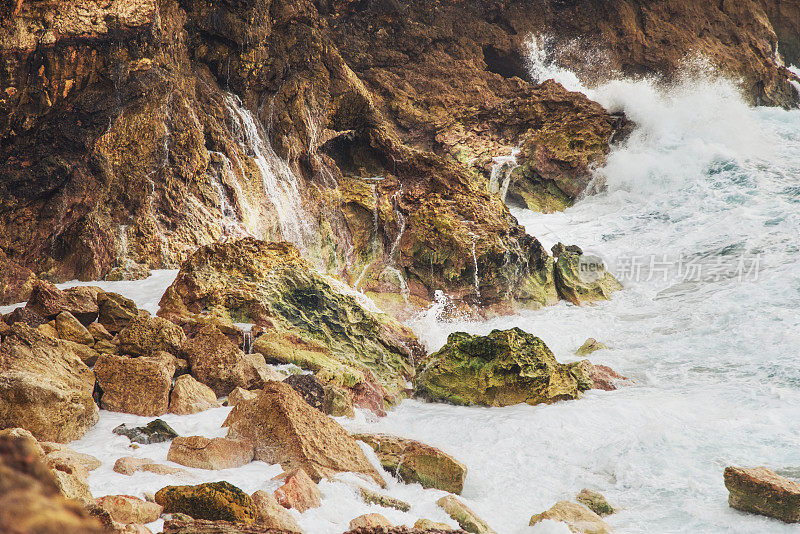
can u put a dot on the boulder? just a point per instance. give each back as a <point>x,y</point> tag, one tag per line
<point>506,367</point>
<point>298,491</point>
<point>45,300</point>
<point>309,388</point>
<point>99,332</point>
<point>72,481</point>
<point>59,453</point>
<point>583,278</point>
<point>147,336</point>
<point>139,386</point>
<point>156,431</point>
<point>595,502</point>
<point>190,396</point>
<point>220,364</point>
<point>461,514</point>
<point>760,491</point>
<point>370,521</point>
<point>601,376</point>
<point>187,525</point>
<point>215,501</point>
<point>30,499</point>
<point>270,513</point>
<point>16,281</point>
<point>307,320</point>
<point>338,401</point>
<point>70,329</point>
<point>129,465</point>
<point>81,302</point>
<point>204,453</point>
<point>413,461</point>
<point>239,395</point>
<point>128,509</point>
<point>589,346</point>
<point>577,517</point>
<point>44,387</point>
<point>115,312</point>
<point>284,429</point>
<point>374,497</point>
<point>48,329</point>
<point>88,355</point>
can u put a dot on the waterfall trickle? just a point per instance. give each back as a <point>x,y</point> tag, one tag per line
<point>503,165</point>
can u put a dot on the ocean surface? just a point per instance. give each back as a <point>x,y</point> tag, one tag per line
<point>698,215</point>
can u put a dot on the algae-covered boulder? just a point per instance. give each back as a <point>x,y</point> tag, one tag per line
<point>213,500</point>
<point>307,320</point>
<point>583,278</point>
<point>506,367</point>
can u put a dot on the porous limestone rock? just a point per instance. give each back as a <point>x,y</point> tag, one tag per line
<point>136,385</point>
<point>129,509</point>
<point>204,453</point>
<point>146,336</point>
<point>213,501</point>
<point>503,368</point>
<point>589,346</point>
<point>760,491</point>
<point>70,329</point>
<point>577,517</point>
<point>190,396</point>
<point>115,312</point>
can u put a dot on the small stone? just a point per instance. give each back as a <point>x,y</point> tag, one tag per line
<point>370,521</point>
<point>190,396</point>
<point>374,497</point>
<point>577,517</point>
<point>589,346</point>
<point>128,509</point>
<point>156,431</point>
<point>129,465</point>
<point>595,502</point>
<point>298,491</point>
<point>204,453</point>
<point>760,491</point>
<point>427,524</point>
<point>271,514</point>
<point>461,514</point>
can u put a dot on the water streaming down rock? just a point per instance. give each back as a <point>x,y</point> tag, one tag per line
<point>500,176</point>
<point>281,185</point>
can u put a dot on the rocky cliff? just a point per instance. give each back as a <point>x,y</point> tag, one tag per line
<point>134,131</point>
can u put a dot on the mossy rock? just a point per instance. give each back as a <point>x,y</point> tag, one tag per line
<point>215,501</point>
<point>504,368</point>
<point>581,278</point>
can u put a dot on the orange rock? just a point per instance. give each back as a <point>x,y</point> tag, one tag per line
<point>298,491</point>
<point>204,453</point>
<point>128,509</point>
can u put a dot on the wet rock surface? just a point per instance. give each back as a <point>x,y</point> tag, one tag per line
<point>760,491</point>
<point>156,431</point>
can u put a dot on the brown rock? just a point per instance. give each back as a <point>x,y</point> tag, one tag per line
<point>130,465</point>
<point>374,497</point>
<point>370,521</point>
<point>30,499</point>
<point>286,430</point>
<point>215,501</point>
<point>463,515</point>
<point>414,461</point>
<point>139,386</point>
<point>146,336</point>
<point>88,355</point>
<point>578,518</point>
<point>270,513</point>
<point>26,316</point>
<point>239,395</point>
<point>115,311</point>
<point>70,329</point>
<point>205,453</point>
<point>99,332</point>
<point>128,509</point>
<point>81,302</point>
<point>427,524</point>
<point>760,491</point>
<point>16,281</point>
<point>190,396</point>
<point>338,401</point>
<point>48,330</point>
<point>215,361</point>
<point>44,387</point>
<point>298,491</point>
<point>602,376</point>
<point>46,300</point>
<point>59,453</point>
<point>200,526</point>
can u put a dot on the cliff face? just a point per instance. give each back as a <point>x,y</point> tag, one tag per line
<point>133,131</point>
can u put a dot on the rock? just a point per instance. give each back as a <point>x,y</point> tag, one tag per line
<point>48,330</point>
<point>127,272</point>
<point>70,329</point>
<point>239,395</point>
<point>595,502</point>
<point>156,431</point>
<point>87,355</point>
<point>44,387</point>
<point>760,491</point>
<point>30,499</point>
<point>81,302</point>
<point>128,509</point>
<point>298,491</point>
<point>24,315</point>
<point>373,497</point>
<point>601,376</point>
<point>583,278</point>
<point>139,386</point>
<point>218,363</point>
<point>58,453</point>
<point>559,248</point>
<point>309,322</point>
<point>16,281</point>
<point>71,481</point>
<point>427,524</point>
<point>370,521</point>
<point>99,332</point>
<point>337,401</point>
<point>129,465</point>
<point>147,336</point>
<point>589,346</point>
<point>190,396</point>
<point>105,347</point>
<point>309,388</point>
<point>204,453</point>
<point>271,514</point>
<point>199,526</point>
<point>413,461</point>
<point>115,311</point>
<point>286,430</point>
<point>577,517</point>
<point>215,501</point>
<point>46,300</point>
<point>504,368</point>
<point>461,514</point>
